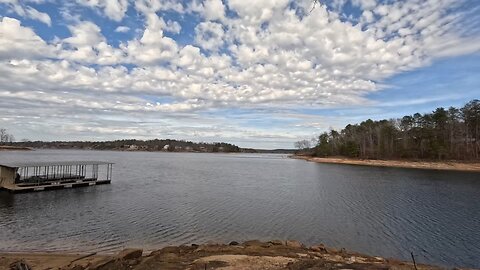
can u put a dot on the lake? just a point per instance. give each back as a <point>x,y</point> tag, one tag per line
<point>159,199</point>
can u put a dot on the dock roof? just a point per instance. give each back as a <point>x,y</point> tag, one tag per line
<point>52,163</point>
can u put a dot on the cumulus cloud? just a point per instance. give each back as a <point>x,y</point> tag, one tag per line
<point>209,35</point>
<point>17,41</point>
<point>260,55</point>
<point>27,11</point>
<point>213,10</point>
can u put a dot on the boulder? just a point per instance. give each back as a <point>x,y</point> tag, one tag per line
<point>277,242</point>
<point>256,243</point>
<point>252,243</point>
<point>100,263</point>
<point>20,265</point>
<point>294,244</point>
<point>130,253</point>
<point>319,248</point>
<point>233,243</point>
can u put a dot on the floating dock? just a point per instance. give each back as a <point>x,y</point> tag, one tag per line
<point>41,176</point>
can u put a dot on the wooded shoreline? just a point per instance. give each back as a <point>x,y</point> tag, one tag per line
<point>431,165</point>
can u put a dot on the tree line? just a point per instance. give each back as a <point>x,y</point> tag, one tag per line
<point>134,145</point>
<point>452,133</point>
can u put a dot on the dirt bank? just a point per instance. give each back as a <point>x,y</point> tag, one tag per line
<point>440,165</point>
<point>249,255</point>
<point>14,148</point>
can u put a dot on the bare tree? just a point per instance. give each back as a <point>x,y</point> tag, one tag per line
<point>3,135</point>
<point>303,144</point>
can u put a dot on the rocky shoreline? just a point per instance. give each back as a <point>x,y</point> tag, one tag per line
<point>253,254</point>
<point>431,165</point>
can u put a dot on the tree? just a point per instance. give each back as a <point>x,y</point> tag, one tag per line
<point>323,147</point>
<point>303,145</point>
<point>5,137</point>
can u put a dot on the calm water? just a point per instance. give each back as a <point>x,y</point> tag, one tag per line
<point>158,199</point>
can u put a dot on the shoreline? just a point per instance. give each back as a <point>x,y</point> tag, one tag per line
<point>254,254</point>
<point>14,148</point>
<point>429,165</point>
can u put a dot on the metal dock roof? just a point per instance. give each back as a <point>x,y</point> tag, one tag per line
<point>52,163</point>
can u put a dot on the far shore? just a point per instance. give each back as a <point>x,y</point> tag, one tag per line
<point>14,148</point>
<point>254,254</point>
<point>431,165</point>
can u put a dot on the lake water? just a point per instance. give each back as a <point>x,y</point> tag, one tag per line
<point>159,199</point>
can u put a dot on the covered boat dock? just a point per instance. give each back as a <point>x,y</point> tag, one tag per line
<point>39,176</point>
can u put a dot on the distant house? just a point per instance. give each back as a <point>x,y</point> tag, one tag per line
<point>166,147</point>
<point>133,147</point>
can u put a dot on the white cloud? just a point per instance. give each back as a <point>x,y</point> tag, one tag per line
<point>173,27</point>
<point>122,29</point>
<point>113,9</point>
<point>153,47</point>
<point>27,11</point>
<point>152,6</point>
<point>37,15</point>
<point>209,35</point>
<point>17,41</point>
<point>213,10</point>
<point>88,45</point>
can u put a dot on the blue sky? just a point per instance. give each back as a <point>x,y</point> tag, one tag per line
<point>255,73</point>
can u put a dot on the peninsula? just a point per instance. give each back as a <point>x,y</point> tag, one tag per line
<point>445,139</point>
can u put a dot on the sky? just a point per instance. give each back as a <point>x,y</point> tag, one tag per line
<point>260,74</point>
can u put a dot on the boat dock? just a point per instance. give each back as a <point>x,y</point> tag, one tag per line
<point>40,176</point>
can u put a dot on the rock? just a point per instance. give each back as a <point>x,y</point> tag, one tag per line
<point>277,242</point>
<point>256,243</point>
<point>101,263</point>
<point>132,262</point>
<point>233,243</point>
<point>319,248</point>
<point>332,250</point>
<point>20,265</point>
<point>194,245</point>
<point>252,243</point>
<point>294,244</point>
<point>130,253</point>
<point>351,260</point>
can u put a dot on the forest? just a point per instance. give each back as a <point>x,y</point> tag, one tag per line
<point>131,145</point>
<point>444,134</point>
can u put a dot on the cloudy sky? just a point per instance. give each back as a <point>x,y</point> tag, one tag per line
<point>260,73</point>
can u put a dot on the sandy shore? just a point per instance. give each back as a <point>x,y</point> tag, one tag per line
<point>254,254</point>
<point>14,148</point>
<point>440,165</point>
